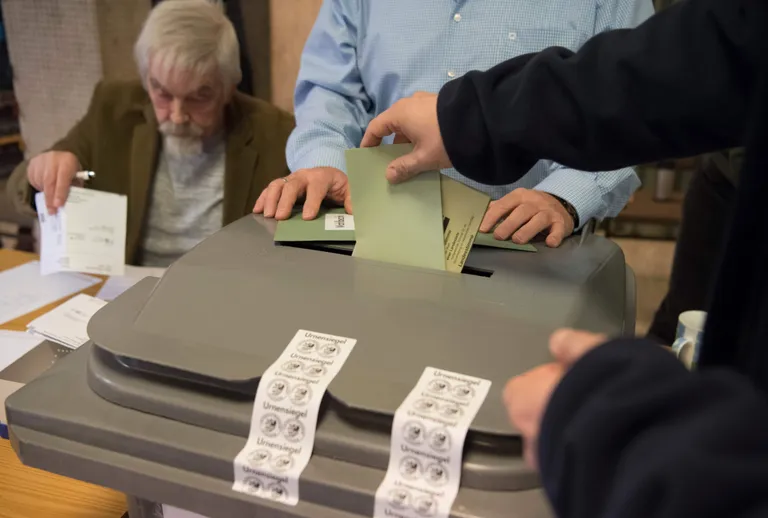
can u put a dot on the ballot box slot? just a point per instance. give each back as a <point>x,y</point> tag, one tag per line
<point>346,249</point>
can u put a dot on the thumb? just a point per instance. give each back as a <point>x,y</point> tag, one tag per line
<point>348,202</point>
<point>406,167</point>
<point>568,346</point>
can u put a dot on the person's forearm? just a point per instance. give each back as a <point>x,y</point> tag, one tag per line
<point>678,85</point>
<point>593,195</point>
<point>629,432</point>
<point>331,104</point>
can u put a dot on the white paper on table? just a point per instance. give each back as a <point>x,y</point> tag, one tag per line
<point>24,289</point>
<point>117,284</point>
<point>68,324</point>
<point>14,345</point>
<point>6,389</point>
<point>86,235</point>
<point>175,512</point>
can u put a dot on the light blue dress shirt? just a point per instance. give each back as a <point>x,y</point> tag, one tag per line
<point>363,55</point>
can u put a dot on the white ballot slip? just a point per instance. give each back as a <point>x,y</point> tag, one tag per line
<point>339,222</point>
<point>14,345</point>
<point>86,235</point>
<point>284,417</point>
<point>428,434</point>
<point>24,289</point>
<point>67,324</point>
<point>117,284</point>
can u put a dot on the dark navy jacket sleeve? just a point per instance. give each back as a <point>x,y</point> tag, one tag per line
<point>629,432</point>
<point>677,85</point>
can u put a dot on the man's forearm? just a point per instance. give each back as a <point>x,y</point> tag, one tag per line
<point>678,85</point>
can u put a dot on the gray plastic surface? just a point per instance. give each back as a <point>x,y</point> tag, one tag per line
<point>226,310</point>
<point>161,404</point>
<point>58,424</point>
<point>491,463</point>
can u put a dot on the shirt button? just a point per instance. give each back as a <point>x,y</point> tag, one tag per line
<point>512,35</point>
<point>457,17</point>
<point>451,73</point>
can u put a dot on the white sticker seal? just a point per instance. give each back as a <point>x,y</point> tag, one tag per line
<point>339,222</point>
<point>428,434</point>
<point>285,416</point>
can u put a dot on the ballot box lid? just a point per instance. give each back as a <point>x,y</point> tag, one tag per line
<point>226,310</point>
<point>186,352</point>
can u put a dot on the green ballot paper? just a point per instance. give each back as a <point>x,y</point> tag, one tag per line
<point>488,240</point>
<point>331,224</point>
<point>400,223</point>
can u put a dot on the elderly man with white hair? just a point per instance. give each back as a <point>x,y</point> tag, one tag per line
<point>189,151</point>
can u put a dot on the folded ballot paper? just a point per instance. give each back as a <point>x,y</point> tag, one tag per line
<point>86,235</point>
<point>431,221</point>
<point>67,324</point>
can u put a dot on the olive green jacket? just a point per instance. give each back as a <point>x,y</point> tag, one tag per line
<point>118,139</point>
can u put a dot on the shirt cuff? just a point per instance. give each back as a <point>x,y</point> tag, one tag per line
<point>320,157</point>
<point>578,188</point>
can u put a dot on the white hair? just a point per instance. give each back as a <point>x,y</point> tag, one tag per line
<point>193,35</point>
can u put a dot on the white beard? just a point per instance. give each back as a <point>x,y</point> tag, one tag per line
<point>181,147</point>
<point>182,140</point>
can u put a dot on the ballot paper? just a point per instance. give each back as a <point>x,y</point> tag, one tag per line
<point>463,211</point>
<point>401,223</point>
<point>14,345</point>
<point>331,224</point>
<point>86,235</point>
<point>67,324</point>
<point>482,239</point>
<point>24,289</point>
<point>117,284</point>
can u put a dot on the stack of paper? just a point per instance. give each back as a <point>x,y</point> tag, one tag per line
<point>86,235</point>
<point>429,221</point>
<point>117,284</point>
<point>14,345</point>
<point>23,289</point>
<point>67,324</point>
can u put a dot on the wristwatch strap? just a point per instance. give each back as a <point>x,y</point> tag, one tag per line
<point>570,209</point>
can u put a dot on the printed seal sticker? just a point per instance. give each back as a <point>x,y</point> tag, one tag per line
<point>428,434</point>
<point>284,419</point>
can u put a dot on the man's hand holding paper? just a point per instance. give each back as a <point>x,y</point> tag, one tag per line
<point>87,235</point>
<point>53,173</point>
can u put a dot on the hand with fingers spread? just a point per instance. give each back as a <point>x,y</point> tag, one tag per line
<point>314,185</point>
<point>413,119</point>
<point>525,213</point>
<point>53,173</point>
<point>526,396</point>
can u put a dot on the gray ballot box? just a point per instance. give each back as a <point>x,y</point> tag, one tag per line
<point>158,403</point>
